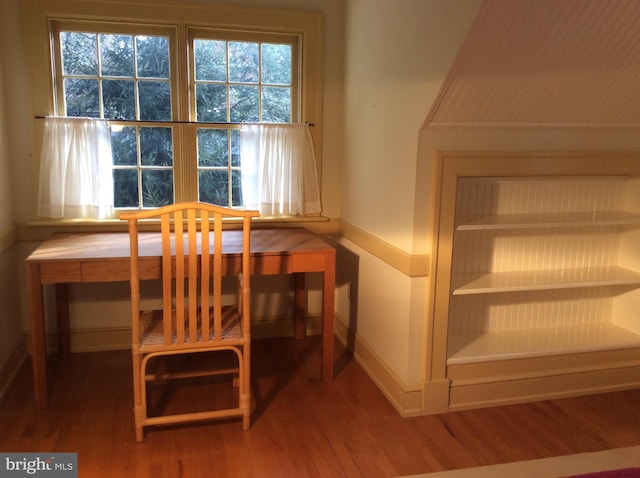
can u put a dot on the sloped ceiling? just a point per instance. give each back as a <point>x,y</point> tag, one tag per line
<point>541,62</point>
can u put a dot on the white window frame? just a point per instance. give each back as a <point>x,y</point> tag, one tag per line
<point>120,28</point>
<point>226,35</point>
<point>308,25</point>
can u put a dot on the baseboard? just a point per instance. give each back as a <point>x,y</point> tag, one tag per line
<point>407,400</point>
<point>119,338</point>
<point>10,367</point>
<point>265,328</point>
<point>96,340</point>
<point>90,340</point>
<point>490,393</point>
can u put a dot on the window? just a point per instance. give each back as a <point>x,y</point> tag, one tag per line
<point>125,77</point>
<point>175,117</point>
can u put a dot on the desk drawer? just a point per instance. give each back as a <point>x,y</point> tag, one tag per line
<point>54,272</point>
<point>119,270</point>
<point>308,263</point>
<point>270,265</point>
<point>105,271</point>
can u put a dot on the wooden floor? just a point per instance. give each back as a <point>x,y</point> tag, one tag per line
<point>301,426</point>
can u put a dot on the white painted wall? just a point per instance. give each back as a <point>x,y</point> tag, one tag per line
<point>397,56</point>
<point>6,212</point>
<point>398,53</point>
<point>11,330</point>
<point>390,316</point>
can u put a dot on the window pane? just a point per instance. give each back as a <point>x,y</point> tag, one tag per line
<point>276,64</point>
<point>213,186</point>
<point>213,147</point>
<point>156,148</point>
<point>119,99</point>
<point>211,103</point>
<point>276,104</point>
<point>210,60</point>
<point>236,189</point>
<point>157,187</point>
<point>116,55</point>
<point>79,54</point>
<point>152,56</point>
<point>235,148</point>
<point>243,62</point>
<point>244,103</point>
<point>123,146</point>
<point>125,188</point>
<point>81,98</point>
<point>155,100</point>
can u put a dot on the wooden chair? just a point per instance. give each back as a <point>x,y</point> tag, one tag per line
<point>192,319</point>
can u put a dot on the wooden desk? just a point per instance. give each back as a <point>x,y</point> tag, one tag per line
<point>104,257</point>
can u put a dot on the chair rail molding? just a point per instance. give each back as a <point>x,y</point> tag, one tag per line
<point>412,265</point>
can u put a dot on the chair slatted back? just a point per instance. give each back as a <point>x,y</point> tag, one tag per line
<point>192,259</point>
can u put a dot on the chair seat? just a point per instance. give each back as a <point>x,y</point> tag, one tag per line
<point>152,333</point>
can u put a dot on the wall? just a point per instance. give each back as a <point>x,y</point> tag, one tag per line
<point>12,349</point>
<point>397,56</point>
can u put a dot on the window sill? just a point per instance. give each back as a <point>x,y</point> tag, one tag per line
<point>39,230</point>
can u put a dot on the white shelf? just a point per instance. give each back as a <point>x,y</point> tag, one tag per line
<point>528,221</point>
<point>515,344</point>
<point>543,280</point>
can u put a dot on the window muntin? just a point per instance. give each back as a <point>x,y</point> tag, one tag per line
<point>125,75</point>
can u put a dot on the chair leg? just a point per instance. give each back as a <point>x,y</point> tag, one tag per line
<point>139,416</point>
<point>245,406</point>
<point>139,405</point>
<point>245,388</point>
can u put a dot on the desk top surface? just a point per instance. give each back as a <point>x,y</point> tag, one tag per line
<point>115,245</point>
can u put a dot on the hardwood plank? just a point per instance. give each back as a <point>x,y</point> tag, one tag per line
<point>302,427</point>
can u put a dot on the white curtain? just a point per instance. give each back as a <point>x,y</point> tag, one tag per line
<point>279,176</point>
<point>75,169</point>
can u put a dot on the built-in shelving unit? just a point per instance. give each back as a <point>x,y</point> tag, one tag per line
<point>537,290</point>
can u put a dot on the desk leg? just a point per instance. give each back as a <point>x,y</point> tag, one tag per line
<point>62,313</point>
<point>300,328</point>
<point>38,340</point>
<point>328,292</point>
